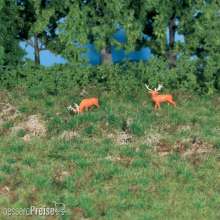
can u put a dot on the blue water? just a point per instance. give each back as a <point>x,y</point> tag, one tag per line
<point>48,58</point>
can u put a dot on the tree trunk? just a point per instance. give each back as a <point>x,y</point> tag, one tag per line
<point>36,50</point>
<point>106,56</point>
<point>171,56</point>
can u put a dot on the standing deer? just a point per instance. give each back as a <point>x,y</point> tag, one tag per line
<point>157,99</point>
<point>85,104</point>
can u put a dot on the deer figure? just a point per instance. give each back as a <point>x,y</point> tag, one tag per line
<point>157,99</point>
<point>85,104</point>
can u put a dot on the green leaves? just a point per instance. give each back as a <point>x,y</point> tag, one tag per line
<point>1,55</point>
<point>10,52</point>
<point>43,20</point>
<point>1,4</point>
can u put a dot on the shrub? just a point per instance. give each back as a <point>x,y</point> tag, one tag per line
<point>56,125</point>
<point>90,130</point>
<point>21,133</point>
<point>7,125</point>
<point>126,78</point>
<point>136,129</point>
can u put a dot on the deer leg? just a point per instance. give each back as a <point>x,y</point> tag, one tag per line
<point>172,102</point>
<point>157,106</point>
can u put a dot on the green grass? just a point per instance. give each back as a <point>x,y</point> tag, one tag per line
<point>98,178</point>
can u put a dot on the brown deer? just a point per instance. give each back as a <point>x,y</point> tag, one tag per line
<point>157,99</point>
<point>85,104</point>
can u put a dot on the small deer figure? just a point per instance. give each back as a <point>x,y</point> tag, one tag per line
<point>85,104</point>
<point>157,99</point>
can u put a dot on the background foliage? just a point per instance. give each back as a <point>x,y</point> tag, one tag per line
<point>66,28</point>
<point>125,78</point>
<point>123,160</point>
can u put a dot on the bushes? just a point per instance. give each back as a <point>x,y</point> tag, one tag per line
<point>124,78</point>
<point>129,77</point>
<point>210,75</point>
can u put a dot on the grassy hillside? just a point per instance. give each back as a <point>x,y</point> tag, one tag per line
<point>122,161</point>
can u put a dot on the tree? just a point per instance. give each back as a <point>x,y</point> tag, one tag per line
<point>1,46</point>
<point>94,22</point>
<point>38,24</point>
<point>201,30</point>
<point>157,18</point>
<point>10,52</point>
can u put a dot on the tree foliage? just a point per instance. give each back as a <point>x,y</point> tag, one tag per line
<point>66,28</point>
<point>38,24</point>
<point>10,52</point>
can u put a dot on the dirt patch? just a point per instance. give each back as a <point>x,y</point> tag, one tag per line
<point>78,214</point>
<point>4,190</point>
<point>1,121</point>
<point>34,126</point>
<point>184,128</point>
<point>197,147</point>
<point>27,138</point>
<point>68,135</point>
<point>152,139</point>
<point>60,176</point>
<point>186,149</point>
<point>163,148</point>
<point>8,112</point>
<point>3,96</point>
<point>120,159</point>
<point>123,138</point>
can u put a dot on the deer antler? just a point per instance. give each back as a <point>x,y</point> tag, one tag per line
<point>70,107</point>
<point>77,106</point>
<point>147,87</point>
<point>159,87</point>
